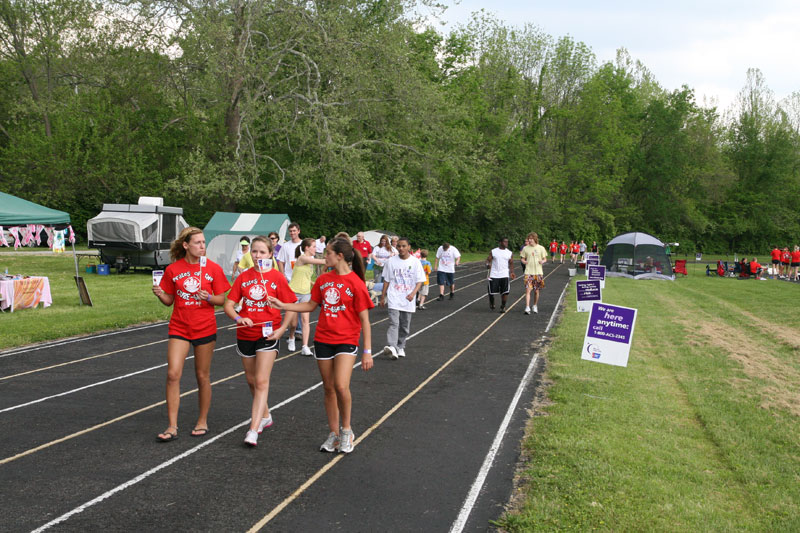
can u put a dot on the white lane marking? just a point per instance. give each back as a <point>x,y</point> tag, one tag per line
<point>55,344</point>
<point>558,304</point>
<point>165,464</point>
<point>97,384</point>
<point>477,485</point>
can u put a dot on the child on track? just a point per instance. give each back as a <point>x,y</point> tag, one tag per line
<point>257,320</point>
<point>428,268</point>
<point>345,302</point>
<point>192,285</point>
<point>301,285</point>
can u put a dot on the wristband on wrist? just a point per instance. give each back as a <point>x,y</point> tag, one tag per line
<point>237,318</point>
<point>368,351</point>
<point>208,298</point>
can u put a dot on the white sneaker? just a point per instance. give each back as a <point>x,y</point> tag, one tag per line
<point>251,438</point>
<point>331,444</point>
<point>290,344</point>
<point>528,310</point>
<point>346,441</point>
<point>391,351</point>
<point>535,309</point>
<point>265,423</point>
<point>305,350</point>
<point>401,352</point>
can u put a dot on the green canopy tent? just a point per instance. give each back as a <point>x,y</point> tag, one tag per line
<point>15,211</point>
<point>224,231</point>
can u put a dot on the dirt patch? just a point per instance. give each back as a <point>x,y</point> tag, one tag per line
<point>778,378</point>
<point>757,361</point>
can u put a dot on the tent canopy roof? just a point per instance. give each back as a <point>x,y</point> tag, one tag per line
<point>15,212</point>
<point>635,238</point>
<point>244,223</point>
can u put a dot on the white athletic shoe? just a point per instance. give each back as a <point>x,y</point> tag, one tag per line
<point>305,350</point>
<point>391,351</point>
<point>251,438</point>
<point>265,423</point>
<point>331,444</point>
<point>346,441</point>
<point>535,309</point>
<point>290,344</point>
<point>401,352</point>
<point>528,310</point>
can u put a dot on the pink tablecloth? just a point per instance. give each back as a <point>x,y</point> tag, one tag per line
<point>25,293</point>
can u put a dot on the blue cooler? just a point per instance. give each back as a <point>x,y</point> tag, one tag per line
<point>102,270</point>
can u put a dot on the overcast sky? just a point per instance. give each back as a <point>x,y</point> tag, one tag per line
<point>707,45</point>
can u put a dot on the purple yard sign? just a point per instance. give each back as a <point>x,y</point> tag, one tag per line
<point>586,293</point>
<point>609,334</point>
<point>596,273</point>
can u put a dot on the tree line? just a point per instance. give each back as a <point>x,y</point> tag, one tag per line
<point>353,114</point>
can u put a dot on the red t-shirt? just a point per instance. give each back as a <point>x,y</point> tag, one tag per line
<point>255,287</point>
<point>786,257</point>
<point>776,254</point>
<point>754,266</point>
<point>192,318</point>
<point>576,248</point>
<point>364,247</point>
<point>342,298</point>
<point>563,249</point>
<point>553,246</point>
<point>796,257</point>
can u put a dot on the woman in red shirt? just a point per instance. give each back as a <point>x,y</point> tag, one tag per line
<point>562,250</point>
<point>256,321</point>
<point>795,262</point>
<point>192,285</point>
<point>345,303</point>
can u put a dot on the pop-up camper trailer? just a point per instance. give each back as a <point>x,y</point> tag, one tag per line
<point>136,235</point>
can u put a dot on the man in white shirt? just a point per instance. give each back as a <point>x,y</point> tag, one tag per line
<point>286,255</point>
<point>501,263</point>
<point>447,259</point>
<point>403,277</point>
<point>286,259</point>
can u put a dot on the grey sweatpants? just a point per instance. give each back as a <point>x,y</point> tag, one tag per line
<point>399,326</point>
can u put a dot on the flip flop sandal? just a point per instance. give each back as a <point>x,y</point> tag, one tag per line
<point>199,432</point>
<point>171,435</point>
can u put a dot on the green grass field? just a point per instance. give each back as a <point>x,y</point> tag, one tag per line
<point>119,300</point>
<point>698,433</point>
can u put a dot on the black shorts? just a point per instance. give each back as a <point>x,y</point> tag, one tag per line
<point>498,286</point>
<point>196,342</point>
<point>776,261</point>
<point>445,278</point>
<point>248,348</point>
<point>324,351</point>
<point>795,264</point>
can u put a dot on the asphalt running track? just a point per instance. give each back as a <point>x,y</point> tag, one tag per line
<point>437,433</point>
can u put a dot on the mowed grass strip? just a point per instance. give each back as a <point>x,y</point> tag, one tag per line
<point>699,432</point>
<point>119,300</point>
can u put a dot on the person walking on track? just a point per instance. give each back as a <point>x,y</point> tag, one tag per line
<point>533,257</point>
<point>192,285</point>
<point>501,265</point>
<point>255,323</point>
<point>345,302</point>
<point>447,259</point>
<point>403,277</point>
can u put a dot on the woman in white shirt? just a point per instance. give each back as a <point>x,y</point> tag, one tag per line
<point>380,254</point>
